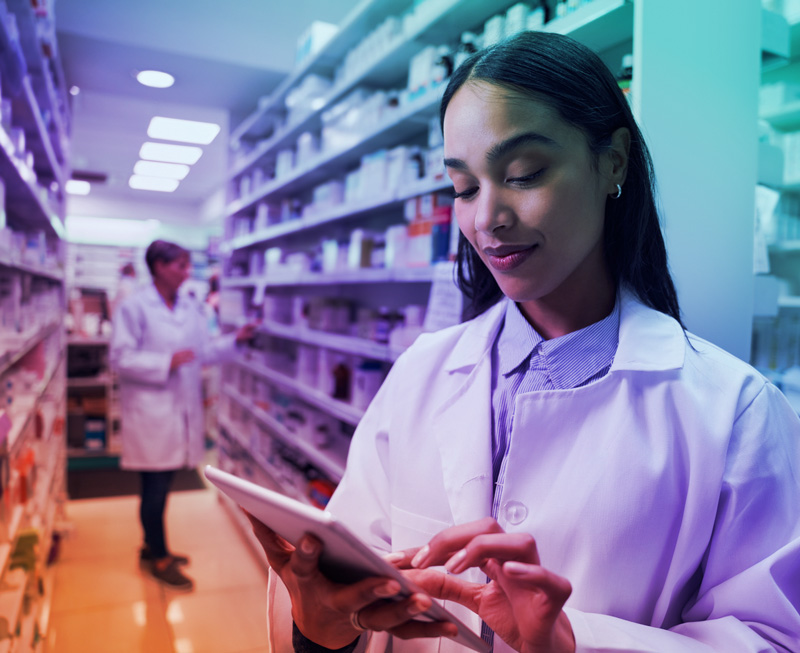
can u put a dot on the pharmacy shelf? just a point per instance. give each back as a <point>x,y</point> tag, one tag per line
<point>264,465</point>
<point>336,214</point>
<point>358,23</point>
<point>99,381</point>
<point>599,24</point>
<point>99,341</point>
<point>332,465</point>
<point>409,121</point>
<point>31,405</point>
<point>787,118</point>
<point>7,547</point>
<point>347,344</point>
<point>27,204</point>
<point>46,162</point>
<point>43,88</point>
<point>6,260</point>
<point>358,276</point>
<point>24,343</point>
<point>785,247</point>
<point>12,593</point>
<point>334,407</point>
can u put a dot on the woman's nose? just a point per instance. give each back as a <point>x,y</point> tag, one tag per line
<point>492,212</point>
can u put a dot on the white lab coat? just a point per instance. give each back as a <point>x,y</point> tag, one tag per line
<point>666,492</point>
<point>162,411</point>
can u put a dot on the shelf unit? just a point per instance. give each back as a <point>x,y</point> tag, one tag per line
<point>249,426</point>
<point>92,407</point>
<point>34,165</point>
<point>774,332</point>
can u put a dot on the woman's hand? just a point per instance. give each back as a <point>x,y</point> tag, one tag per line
<point>246,332</point>
<point>333,615</point>
<point>522,602</point>
<point>180,358</point>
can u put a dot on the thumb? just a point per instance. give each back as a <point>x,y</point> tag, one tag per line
<point>447,587</point>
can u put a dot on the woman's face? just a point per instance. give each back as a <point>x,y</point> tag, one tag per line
<point>173,274</point>
<point>529,196</point>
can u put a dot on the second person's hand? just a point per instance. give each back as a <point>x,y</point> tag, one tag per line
<point>181,357</point>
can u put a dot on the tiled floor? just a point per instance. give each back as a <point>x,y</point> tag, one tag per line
<point>103,602</point>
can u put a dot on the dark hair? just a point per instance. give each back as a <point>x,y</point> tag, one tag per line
<point>163,251</point>
<point>128,270</point>
<point>572,79</point>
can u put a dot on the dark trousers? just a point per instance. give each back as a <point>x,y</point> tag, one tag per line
<point>155,488</point>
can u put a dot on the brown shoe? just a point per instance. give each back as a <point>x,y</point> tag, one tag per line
<point>171,576</point>
<point>146,557</point>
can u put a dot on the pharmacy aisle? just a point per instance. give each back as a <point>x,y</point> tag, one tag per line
<point>104,603</point>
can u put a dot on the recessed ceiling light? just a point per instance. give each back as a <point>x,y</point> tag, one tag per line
<point>159,169</point>
<point>77,187</point>
<point>185,131</point>
<point>140,182</point>
<point>155,78</point>
<point>188,154</point>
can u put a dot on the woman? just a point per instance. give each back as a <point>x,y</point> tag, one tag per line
<point>159,343</point>
<point>590,476</point>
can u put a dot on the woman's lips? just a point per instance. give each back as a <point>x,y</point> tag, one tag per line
<point>504,259</point>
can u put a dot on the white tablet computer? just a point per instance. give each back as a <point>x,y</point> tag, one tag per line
<point>344,559</point>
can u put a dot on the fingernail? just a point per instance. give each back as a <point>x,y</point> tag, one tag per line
<point>388,589</point>
<point>515,568</point>
<point>395,556</point>
<point>418,607</point>
<point>455,562</point>
<point>419,559</point>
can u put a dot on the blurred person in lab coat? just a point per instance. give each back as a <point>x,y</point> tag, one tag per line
<point>159,342</point>
<point>126,286</point>
<point>570,470</point>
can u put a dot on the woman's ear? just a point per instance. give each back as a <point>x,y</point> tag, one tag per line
<point>616,157</point>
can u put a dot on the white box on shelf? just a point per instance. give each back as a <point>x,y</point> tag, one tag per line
<point>314,38</point>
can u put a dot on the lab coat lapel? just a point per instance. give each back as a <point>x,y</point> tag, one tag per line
<point>462,425</point>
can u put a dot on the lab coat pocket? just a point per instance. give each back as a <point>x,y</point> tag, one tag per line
<point>413,530</point>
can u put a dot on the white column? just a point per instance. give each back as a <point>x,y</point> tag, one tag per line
<point>695,92</point>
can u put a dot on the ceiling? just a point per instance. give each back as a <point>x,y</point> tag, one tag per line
<point>224,57</point>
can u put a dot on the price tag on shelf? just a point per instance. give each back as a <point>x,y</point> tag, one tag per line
<point>445,303</point>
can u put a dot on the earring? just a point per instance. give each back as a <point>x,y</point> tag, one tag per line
<point>619,193</point>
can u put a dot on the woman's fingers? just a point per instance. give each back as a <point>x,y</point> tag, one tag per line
<point>402,618</point>
<point>448,588</point>
<point>549,590</point>
<point>401,559</point>
<point>451,540</point>
<point>465,550</point>
<point>305,561</point>
<point>276,548</point>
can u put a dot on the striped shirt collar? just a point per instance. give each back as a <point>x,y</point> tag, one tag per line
<point>568,360</point>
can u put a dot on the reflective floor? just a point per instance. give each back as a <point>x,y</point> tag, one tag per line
<point>103,602</point>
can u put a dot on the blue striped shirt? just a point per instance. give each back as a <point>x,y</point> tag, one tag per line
<point>522,361</point>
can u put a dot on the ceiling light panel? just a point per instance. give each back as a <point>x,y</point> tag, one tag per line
<point>159,169</point>
<point>155,78</point>
<point>140,182</point>
<point>188,154</point>
<point>77,187</point>
<point>185,131</point>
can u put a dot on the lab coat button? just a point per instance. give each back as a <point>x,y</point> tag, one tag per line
<point>515,512</point>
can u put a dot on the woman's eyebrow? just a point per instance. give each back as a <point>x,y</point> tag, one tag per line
<point>499,150</point>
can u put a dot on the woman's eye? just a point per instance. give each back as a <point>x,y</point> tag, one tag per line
<point>465,194</point>
<point>525,179</point>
